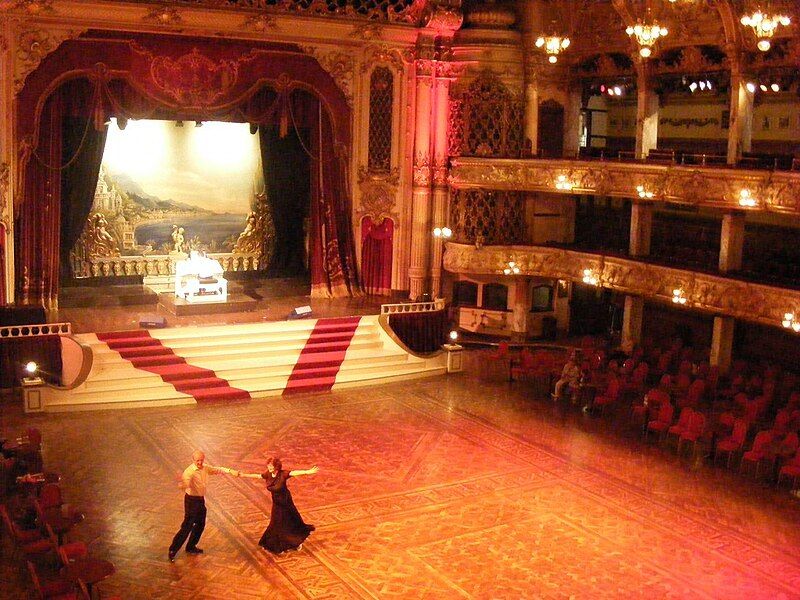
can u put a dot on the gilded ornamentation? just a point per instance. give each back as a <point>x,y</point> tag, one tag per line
<point>35,7</point>
<point>383,54</point>
<point>261,23</point>
<point>700,186</point>
<point>391,178</point>
<point>378,201</point>
<point>163,15</point>
<point>340,66</point>
<point>716,294</point>
<point>258,237</point>
<point>446,19</point>
<point>367,31</point>
<point>96,241</point>
<point>193,79</point>
<point>422,170</point>
<point>439,170</point>
<point>4,187</point>
<point>32,46</point>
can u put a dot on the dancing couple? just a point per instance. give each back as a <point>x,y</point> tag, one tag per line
<point>286,529</point>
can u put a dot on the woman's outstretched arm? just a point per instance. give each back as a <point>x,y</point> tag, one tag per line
<point>250,475</point>
<point>298,472</point>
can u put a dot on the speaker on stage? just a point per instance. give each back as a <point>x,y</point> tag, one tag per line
<point>301,312</point>
<point>152,322</point>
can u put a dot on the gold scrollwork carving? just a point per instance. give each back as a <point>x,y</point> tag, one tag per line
<point>163,15</point>
<point>422,169</point>
<point>340,66</point>
<point>378,201</point>
<point>5,218</point>
<point>32,46</point>
<point>721,295</point>
<point>261,23</point>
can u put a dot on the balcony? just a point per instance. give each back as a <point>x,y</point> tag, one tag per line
<point>718,187</point>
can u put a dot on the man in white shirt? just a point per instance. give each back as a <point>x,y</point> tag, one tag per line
<point>193,482</point>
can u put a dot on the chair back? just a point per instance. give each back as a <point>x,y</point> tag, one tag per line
<point>612,391</point>
<point>50,495</point>
<point>739,432</point>
<point>665,412</point>
<point>697,423</point>
<point>762,440</point>
<point>685,418</point>
<point>664,361</point>
<point>640,373</point>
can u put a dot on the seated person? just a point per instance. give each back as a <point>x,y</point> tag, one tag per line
<point>570,377</point>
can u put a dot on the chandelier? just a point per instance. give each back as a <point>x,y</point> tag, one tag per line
<point>764,26</point>
<point>553,45</point>
<point>646,36</point>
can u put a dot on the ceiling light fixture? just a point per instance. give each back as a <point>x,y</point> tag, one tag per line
<point>764,26</point>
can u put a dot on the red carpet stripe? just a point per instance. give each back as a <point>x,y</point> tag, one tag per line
<point>149,354</point>
<point>322,357</point>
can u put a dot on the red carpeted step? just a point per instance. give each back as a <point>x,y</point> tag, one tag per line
<point>219,394</point>
<point>133,342</point>
<point>323,355</point>
<point>183,385</point>
<point>151,361</point>
<point>114,335</point>
<point>145,351</point>
<point>170,373</point>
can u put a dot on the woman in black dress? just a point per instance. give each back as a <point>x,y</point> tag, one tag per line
<point>286,529</point>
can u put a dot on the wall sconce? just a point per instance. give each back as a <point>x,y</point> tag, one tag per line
<point>511,269</point>
<point>678,296</point>
<point>789,322</point>
<point>746,199</point>
<point>643,193</point>
<point>442,232</point>
<point>563,184</point>
<point>590,277</point>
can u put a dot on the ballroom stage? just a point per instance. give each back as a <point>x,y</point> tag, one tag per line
<point>452,487</point>
<point>117,308</point>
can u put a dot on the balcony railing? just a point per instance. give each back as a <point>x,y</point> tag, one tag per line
<point>712,293</point>
<point>696,185</point>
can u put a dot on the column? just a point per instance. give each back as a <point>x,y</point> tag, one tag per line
<point>722,343</point>
<point>531,25</point>
<point>646,110</point>
<point>731,243</point>
<point>641,228</point>
<point>440,192</point>
<point>7,156</point>
<point>632,322</point>
<point>421,189</point>
<point>520,307</point>
<point>572,124</point>
<point>740,128</point>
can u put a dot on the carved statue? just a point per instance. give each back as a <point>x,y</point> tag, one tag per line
<point>248,241</point>
<point>178,239</point>
<point>96,240</point>
<point>258,236</point>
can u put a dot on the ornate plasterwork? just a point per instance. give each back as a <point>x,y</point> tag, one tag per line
<point>439,170</point>
<point>163,15</point>
<point>367,31</point>
<point>35,7</point>
<point>422,170</point>
<point>340,66</point>
<point>261,23</point>
<point>378,201</point>
<point>32,46</point>
<point>382,54</point>
<point>700,186</point>
<point>713,293</point>
<point>4,187</point>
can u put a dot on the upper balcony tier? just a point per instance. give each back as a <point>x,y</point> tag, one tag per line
<point>718,187</point>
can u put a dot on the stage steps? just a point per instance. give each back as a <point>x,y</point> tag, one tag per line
<point>254,359</point>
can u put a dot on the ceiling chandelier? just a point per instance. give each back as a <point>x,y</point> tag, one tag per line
<point>764,26</point>
<point>552,45</point>
<point>646,34</point>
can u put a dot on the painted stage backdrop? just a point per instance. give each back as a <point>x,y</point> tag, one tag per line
<point>158,175</point>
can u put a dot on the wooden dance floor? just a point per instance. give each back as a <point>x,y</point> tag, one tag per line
<point>452,487</point>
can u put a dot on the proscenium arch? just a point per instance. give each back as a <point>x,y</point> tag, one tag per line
<point>280,67</point>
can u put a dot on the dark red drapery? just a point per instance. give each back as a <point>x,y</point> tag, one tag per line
<point>376,256</point>
<point>171,78</point>
<point>422,332</point>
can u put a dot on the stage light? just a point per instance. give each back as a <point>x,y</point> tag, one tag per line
<point>692,87</point>
<point>751,87</point>
<point>617,90</point>
<point>602,89</point>
<point>31,368</point>
<point>763,87</point>
<point>702,85</point>
<point>708,84</point>
<point>775,87</point>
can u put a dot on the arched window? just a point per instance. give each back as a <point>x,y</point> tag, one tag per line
<point>495,296</point>
<point>465,293</point>
<point>381,96</point>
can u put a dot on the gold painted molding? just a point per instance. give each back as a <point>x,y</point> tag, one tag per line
<point>712,293</point>
<point>712,187</point>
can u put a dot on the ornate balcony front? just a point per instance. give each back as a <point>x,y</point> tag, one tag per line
<point>712,187</point>
<point>712,293</point>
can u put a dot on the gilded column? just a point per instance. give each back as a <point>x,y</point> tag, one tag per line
<point>740,128</point>
<point>646,109</point>
<point>441,118</point>
<point>632,322</point>
<point>421,189</point>
<point>7,157</point>
<point>731,244</point>
<point>641,228</point>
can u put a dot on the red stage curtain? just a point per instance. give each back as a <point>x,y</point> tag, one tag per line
<point>376,256</point>
<point>421,332</point>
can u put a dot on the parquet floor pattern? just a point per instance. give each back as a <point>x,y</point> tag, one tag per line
<point>452,487</point>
